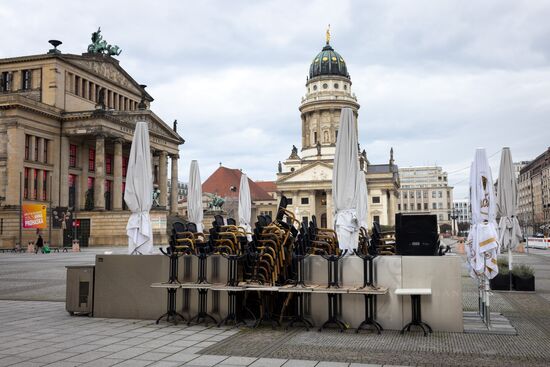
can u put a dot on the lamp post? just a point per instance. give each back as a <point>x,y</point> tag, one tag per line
<point>454,216</point>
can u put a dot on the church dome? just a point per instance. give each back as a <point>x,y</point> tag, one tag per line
<point>328,62</point>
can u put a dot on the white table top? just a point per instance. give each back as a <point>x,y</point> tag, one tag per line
<point>413,291</point>
<point>166,285</point>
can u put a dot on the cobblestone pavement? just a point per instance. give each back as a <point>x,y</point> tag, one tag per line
<point>41,333</point>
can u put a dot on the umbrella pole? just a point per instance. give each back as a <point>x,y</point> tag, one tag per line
<point>487,304</point>
<point>510,266</point>
<point>481,300</point>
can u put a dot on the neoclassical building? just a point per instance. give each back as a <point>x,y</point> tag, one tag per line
<point>66,127</point>
<point>306,177</point>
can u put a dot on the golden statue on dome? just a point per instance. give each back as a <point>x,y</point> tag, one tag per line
<point>328,34</point>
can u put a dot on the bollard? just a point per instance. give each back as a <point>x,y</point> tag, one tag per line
<point>30,247</point>
<point>76,246</point>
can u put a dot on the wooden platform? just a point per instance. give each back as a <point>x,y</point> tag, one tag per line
<point>500,325</point>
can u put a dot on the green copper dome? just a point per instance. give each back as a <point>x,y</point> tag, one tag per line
<point>328,62</point>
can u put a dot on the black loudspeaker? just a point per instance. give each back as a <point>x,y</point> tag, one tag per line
<point>416,235</point>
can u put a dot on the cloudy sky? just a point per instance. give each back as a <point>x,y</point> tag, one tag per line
<point>435,79</point>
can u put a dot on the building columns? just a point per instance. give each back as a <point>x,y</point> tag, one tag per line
<point>83,152</point>
<point>330,210</point>
<point>163,179</point>
<point>174,185</point>
<point>64,172</point>
<point>99,182</point>
<point>392,207</point>
<point>117,182</point>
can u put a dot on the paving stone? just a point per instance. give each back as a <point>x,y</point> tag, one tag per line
<point>153,356</point>
<point>332,364</point>
<point>165,364</point>
<point>300,363</point>
<point>239,361</point>
<point>268,362</point>
<point>207,360</point>
<point>103,362</point>
<point>134,363</point>
<point>181,357</point>
<point>88,356</point>
<point>54,357</point>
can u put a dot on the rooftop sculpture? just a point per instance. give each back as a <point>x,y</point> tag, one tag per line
<point>100,46</point>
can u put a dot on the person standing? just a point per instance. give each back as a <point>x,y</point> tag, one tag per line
<point>39,245</point>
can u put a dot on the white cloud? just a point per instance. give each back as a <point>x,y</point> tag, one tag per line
<point>435,80</point>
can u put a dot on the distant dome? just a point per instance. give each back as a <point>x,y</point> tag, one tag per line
<point>328,62</point>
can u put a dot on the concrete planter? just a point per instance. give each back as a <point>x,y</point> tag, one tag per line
<point>523,284</point>
<point>500,283</point>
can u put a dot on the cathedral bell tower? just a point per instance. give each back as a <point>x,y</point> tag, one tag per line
<point>328,90</point>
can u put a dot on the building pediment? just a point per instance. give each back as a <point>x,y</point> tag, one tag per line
<point>108,69</point>
<point>122,122</point>
<point>314,172</point>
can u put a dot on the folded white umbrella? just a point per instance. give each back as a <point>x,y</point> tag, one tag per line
<point>482,246</point>
<point>509,229</point>
<point>345,183</point>
<point>362,200</point>
<point>138,193</point>
<point>245,206</point>
<point>194,196</point>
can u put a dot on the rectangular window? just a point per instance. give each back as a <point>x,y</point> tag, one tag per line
<point>289,201</point>
<point>108,164</point>
<point>83,86</point>
<point>124,166</point>
<point>440,194</point>
<point>440,216</point>
<point>35,188</point>
<point>315,137</point>
<point>5,81</point>
<point>405,195</point>
<point>425,206</point>
<point>46,143</point>
<point>45,185</point>
<point>376,218</point>
<point>398,206</point>
<point>90,183</point>
<point>376,199</point>
<point>26,79</point>
<point>419,195</point>
<point>305,201</point>
<point>418,206</point>
<point>26,184</point>
<point>72,191</point>
<point>440,205</point>
<point>91,160</point>
<point>433,194</point>
<point>27,146</point>
<point>72,155</point>
<point>434,206</point>
<point>405,207</point>
<point>76,85</point>
<point>36,144</point>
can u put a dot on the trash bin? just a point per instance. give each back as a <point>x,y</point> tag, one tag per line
<point>80,289</point>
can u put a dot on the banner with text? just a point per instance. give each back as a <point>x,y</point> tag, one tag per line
<point>34,216</point>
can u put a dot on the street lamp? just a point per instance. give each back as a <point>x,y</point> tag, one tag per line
<point>454,216</point>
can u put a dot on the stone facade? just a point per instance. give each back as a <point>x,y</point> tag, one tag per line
<point>66,127</point>
<point>425,190</point>
<point>534,195</point>
<point>306,177</point>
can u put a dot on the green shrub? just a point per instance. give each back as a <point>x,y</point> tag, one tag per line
<point>523,271</point>
<point>502,263</point>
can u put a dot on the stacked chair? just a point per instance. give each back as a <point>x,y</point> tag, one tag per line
<point>383,242</point>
